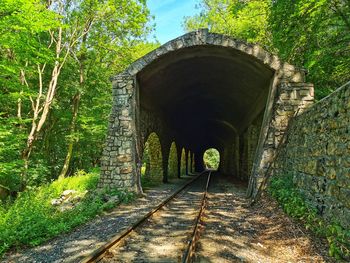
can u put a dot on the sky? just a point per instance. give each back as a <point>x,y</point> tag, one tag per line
<point>169,17</point>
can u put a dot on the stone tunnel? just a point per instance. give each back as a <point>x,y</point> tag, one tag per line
<point>200,91</point>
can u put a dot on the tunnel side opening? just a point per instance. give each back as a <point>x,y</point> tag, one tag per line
<point>151,169</point>
<point>172,163</point>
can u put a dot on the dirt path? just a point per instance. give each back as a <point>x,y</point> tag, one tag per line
<point>235,232</point>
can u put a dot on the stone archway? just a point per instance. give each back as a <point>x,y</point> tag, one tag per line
<point>183,162</point>
<point>152,159</point>
<point>172,163</point>
<point>203,90</point>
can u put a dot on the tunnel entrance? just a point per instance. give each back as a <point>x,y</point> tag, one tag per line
<point>201,91</point>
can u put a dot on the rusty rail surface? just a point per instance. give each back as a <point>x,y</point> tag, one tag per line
<point>188,256</point>
<point>98,254</point>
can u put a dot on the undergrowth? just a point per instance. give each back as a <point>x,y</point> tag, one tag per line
<point>148,183</point>
<point>293,203</point>
<point>31,219</point>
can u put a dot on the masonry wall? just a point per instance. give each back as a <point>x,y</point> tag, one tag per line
<point>291,98</point>
<point>118,161</point>
<point>317,154</point>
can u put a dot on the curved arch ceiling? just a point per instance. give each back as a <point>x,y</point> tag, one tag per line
<point>206,93</point>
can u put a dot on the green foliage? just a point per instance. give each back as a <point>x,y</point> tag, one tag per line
<point>311,34</point>
<point>211,158</point>
<point>172,163</point>
<point>293,203</point>
<point>247,20</point>
<point>147,183</point>
<point>10,165</point>
<point>314,34</point>
<point>31,219</point>
<point>104,37</point>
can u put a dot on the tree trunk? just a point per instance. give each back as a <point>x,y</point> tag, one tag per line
<point>41,109</point>
<point>76,100</point>
<point>65,168</point>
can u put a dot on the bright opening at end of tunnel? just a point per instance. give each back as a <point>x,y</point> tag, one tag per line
<point>211,159</point>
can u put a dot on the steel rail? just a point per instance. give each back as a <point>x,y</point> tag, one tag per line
<point>189,253</point>
<point>98,254</point>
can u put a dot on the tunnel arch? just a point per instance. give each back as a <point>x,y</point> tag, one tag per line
<point>152,161</point>
<point>204,90</point>
<point>183,162</point>
<point>172,163</point>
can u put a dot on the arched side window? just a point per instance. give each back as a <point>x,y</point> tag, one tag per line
<point>152,170</point>
<point>172,163</point>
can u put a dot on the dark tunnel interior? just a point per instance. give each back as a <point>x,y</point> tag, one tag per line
<point>207,95</point>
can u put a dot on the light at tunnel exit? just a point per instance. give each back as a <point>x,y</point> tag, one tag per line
<point>211,159</point>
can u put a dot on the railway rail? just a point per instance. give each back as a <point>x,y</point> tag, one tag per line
<point>182,201</point>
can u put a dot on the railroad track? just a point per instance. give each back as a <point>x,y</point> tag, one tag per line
<point>169,232</point>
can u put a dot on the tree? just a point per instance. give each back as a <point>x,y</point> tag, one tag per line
<point>25,48</point>
<point>314,34</point>
<point>211,158</point>
<point>56,58</point>
<point>247,20</point>
<point>99,22</point>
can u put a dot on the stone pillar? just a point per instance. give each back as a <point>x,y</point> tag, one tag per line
<point>186,156</point>
<point>118,162</point>
<point>165,160</point>
<point>193,162</point>
<point>224,159</point>
<point>198,162</point>
<point>179,152</point>
<point>236,156</point>
<point>291,98</point>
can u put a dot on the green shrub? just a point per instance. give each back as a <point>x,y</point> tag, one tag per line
<point>31,219</point>
<point>293,203</point>
<point>149,182</point>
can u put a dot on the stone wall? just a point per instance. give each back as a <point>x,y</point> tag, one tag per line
<point>118,162</point>
<point>317,154</point>
<point>291,98</point>
<point>239,152</point>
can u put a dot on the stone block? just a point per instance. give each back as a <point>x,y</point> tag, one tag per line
<point>126,170</point>
<point>332,189</point>
<point>124,158</point>
<point>344,197</point>
<point>310,167</point>
<point>125,112</point>
<point>331,173</point>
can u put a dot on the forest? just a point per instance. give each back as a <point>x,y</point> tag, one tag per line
<point>57,56</point>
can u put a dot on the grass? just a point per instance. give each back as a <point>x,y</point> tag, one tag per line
<point>149,183</point>
<point>293,203</point>
<point>30,219</point>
